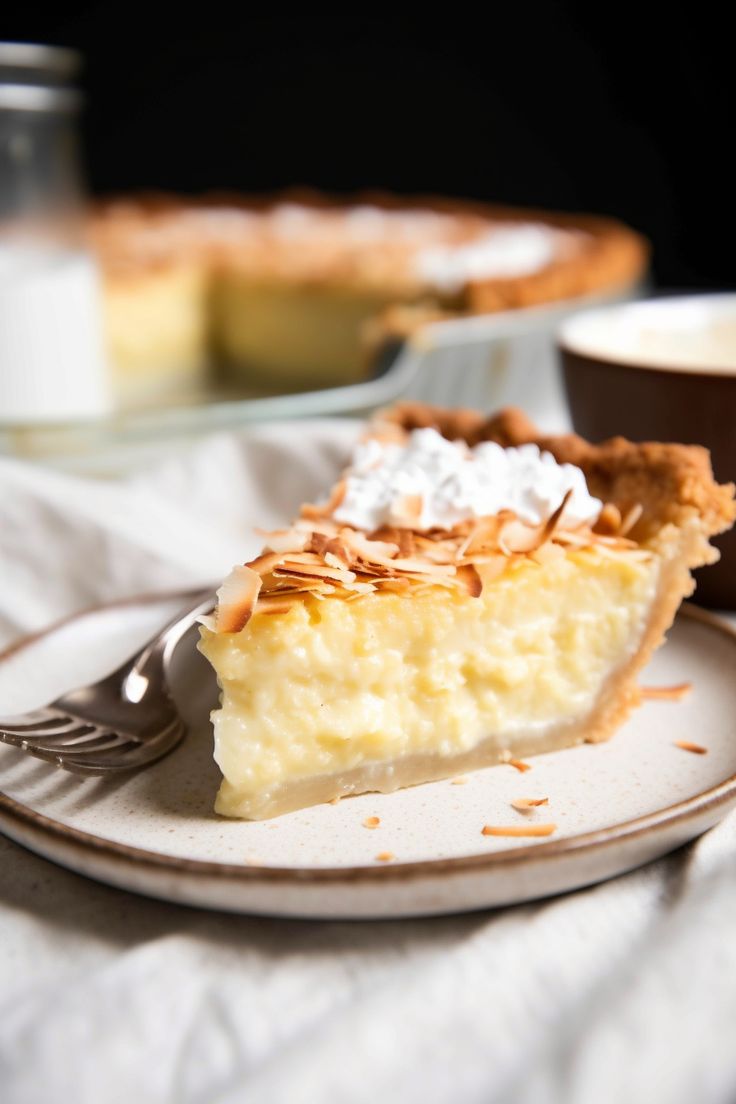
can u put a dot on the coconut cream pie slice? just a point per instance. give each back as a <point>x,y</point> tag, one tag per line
<point>469,592</point>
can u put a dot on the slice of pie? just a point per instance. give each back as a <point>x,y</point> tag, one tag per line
<point>470,592</point>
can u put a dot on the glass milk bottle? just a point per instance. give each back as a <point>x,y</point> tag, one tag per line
<point>52,361</point>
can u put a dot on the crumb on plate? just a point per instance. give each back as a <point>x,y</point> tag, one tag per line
<point>686,745</point>
<point>524,804</point>
<point>518,829</point>
<point>666,693</point>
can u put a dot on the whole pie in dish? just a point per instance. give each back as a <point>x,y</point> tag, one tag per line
<point>302,290</point>
<point>469,592</point>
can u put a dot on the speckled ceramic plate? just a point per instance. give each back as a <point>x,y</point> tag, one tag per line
<point>616,805</point>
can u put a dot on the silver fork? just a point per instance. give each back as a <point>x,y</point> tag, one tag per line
<point>124,722</point>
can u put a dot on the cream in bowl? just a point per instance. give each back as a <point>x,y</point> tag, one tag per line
<point>661,370</point>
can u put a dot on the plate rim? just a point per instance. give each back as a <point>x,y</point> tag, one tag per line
<point>14,812</point>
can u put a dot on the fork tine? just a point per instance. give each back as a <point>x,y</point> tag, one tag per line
<point>130,757</point>
<point>32,723</point>
<point>109,751</point>
<point>60,759</point>
<point>10,738</point>
<point>68,738</point>
<point>93,742</point>
<point>89,739</point>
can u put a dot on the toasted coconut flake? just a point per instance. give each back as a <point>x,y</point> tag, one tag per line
<point>407,544</point>
<point>371,551</point>
<point>436,551</point>
<point>580,539</point>
<point>515,536</point>
<point>405,539</point>
<point>385,856</point>
<point>609,520</point>
<point>395,585</point>
<point>357,589</point>
<point>554,519</point>
<point>387,534</point>
<point>630,519</point>
<point>465,544</point>
<point>483,534</point>
<point>298,584</point>
<point>236,599</point>
<point>696,749</point>
<point>547,552</point>
<point>525,804</point>
<point>293,568</point>
<point>373,571</point>
<point>371,822</point>
<point>519,765</point>
<point>377,554</point>
<point>285,540</point>
<point>613,542</point>
<point>518,829</point>
<point>336,554</point>
<point>317,543</point>
<point>470,580</point>
<point>301,560</point>
<point>265,563</point>
<point>666,693</point>
<point>416,566</point>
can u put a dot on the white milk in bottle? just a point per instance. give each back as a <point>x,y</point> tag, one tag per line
<point>52,359</point>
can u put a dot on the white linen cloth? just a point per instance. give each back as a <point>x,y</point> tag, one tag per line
<point>621,992</point>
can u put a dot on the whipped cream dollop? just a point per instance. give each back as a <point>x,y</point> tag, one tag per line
<point>447,482</point>
<point>504,252</point>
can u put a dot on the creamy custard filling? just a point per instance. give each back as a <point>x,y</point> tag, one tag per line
<point>298,333</point>
<point>162,325</point>
<point>334,686</point>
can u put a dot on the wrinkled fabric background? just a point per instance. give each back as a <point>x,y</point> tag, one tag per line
<point>622,992</point>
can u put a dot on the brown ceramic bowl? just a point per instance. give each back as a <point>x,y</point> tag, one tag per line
<point>661,370</point>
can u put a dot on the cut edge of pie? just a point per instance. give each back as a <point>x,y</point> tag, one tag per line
<point>661,507</point>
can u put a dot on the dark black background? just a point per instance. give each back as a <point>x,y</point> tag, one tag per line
<point>627,110</point>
